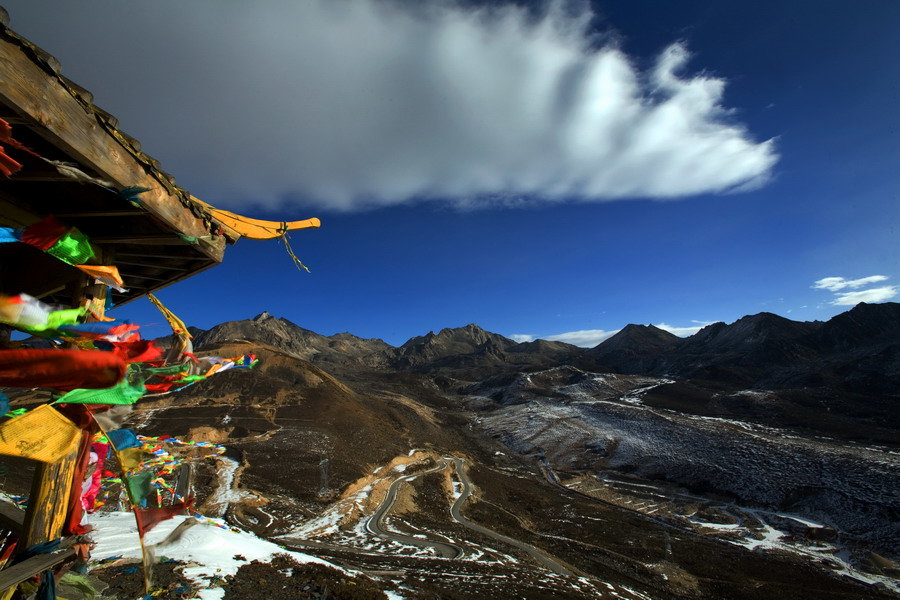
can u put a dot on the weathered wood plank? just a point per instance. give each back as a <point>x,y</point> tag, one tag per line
<point>67,124</point>
<point>156,255</point>
<point>154,240</point>
<point>49,500</point>
<point>126,277</point>
<point>108,213</point>
<point>136,263</point>
<point>30,567</point>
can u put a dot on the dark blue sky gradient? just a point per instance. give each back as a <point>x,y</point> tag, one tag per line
<point>821,77</point>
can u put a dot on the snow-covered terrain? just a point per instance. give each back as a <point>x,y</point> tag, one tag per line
<point>208,548</point>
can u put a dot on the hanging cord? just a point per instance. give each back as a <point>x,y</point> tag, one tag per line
<point>290,251</point>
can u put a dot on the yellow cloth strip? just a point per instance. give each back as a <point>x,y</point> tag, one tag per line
<point>256,229</point>
<point>178,326</point>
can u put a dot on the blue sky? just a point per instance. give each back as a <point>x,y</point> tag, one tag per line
<point>430,145</point>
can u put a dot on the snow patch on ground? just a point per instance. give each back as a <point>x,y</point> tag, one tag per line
<point>225,494</point>
<point>210,549</point>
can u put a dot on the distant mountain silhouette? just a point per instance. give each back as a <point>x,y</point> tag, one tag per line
<point>636,349</point>
<point>858,350</point>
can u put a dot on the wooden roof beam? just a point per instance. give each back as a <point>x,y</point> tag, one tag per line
<point>155,255</point>
<point>135,263</point>
<point>150,240</point>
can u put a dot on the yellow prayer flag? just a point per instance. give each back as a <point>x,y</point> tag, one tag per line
<point>130,458</point>
<point>41,434</point>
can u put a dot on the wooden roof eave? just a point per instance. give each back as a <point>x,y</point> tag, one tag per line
<point>57,113</point>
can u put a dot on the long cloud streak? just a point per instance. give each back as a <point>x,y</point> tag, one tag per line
<point>368,103</point>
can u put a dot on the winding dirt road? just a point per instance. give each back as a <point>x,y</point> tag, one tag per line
<point>375,524</point>
<point>544,559</point>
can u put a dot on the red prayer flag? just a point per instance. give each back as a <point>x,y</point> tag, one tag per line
<point>60,369</point>
<point>148,518</point>
<point>137,351</point>
<point>44,233</point>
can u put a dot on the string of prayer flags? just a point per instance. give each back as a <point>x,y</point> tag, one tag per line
<point>42,434</point>
<point>111,331</point>
<point>60,369</point>
<point>67,244</point>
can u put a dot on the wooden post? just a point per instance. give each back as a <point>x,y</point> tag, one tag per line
<point>49,500</point>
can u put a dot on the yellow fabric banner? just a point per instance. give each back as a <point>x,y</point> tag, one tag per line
<point>255,229</point>
<point>177,325</point>
<point>41,434</point>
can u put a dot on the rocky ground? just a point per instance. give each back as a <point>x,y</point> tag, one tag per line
<point>578,488</point>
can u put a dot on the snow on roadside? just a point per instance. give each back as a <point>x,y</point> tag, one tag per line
<point>210,549</point>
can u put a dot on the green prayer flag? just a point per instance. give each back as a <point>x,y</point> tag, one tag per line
<point>170,370</point>
<point>80,583</point>
<point>68,316</point>
<point>123,392</point>
<point>72,247</point>
<point>139,486</point>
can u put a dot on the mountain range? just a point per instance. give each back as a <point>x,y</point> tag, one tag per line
<point>840,376</point>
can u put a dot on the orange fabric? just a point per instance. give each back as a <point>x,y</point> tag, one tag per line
<point>102,272</point>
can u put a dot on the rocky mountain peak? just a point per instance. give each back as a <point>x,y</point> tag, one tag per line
<point>264,315</point>
<point>638,337</point>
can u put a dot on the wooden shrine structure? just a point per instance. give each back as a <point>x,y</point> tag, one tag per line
<point>86,172</point>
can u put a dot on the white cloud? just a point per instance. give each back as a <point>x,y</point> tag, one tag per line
<point>871,295</point>
<point>376,102</point>
<point>834,284</point>
<point>586,338</point>
<point>684,331</point>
